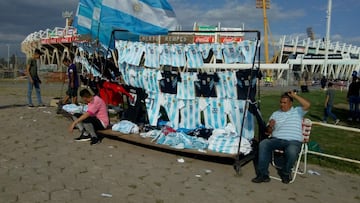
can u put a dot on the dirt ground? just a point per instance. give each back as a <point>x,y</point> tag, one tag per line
<point>40,162</point>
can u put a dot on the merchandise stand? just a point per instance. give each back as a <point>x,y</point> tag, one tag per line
<point>240,58</point>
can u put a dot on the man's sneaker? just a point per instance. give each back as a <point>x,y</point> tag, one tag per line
<point>284,178</point>
<point>83,138</point>
<point>337,121</point>
<point>94,140</point>
<point>30,106</point>
<point>42,106</point>
<point>260,179</point>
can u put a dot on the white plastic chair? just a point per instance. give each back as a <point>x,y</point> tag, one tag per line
<point>297,169</point>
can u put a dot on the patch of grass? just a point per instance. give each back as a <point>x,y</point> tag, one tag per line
<point>332,141</point>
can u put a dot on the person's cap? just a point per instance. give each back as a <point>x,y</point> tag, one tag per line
<point>37,51</point>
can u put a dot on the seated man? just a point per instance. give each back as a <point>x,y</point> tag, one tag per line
<point>95,118</point>
<point>285,128</point>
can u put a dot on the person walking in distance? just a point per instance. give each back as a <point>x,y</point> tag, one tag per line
<point>73,85</point>
<point>32,67</point>
<point>329,102</point>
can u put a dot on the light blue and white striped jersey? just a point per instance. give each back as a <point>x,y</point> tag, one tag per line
<point>205,49</point>
<point>214,112</point>
<point>189,113</point>
<point>217,50</point>
<point>123,70</point>
<point>135,54</point>
<point>288,125</point>
<point>120,46</point>
<point>152,103</point>
<point>248,50</point>
<point>140,72</point>
<point>128,52</point>
<point>241,57</point>
<point>226,87</point>
<point>236,115</point>
<point>165,54</point>
<point>228,144</point>
<point>135,76</point>
<point>152,56</point>
<point>178,55</point>
<point>230,53</point>
<point>169,102</point>
<point>193,55</point>
<point>185,88</point>
<point>151,79</point>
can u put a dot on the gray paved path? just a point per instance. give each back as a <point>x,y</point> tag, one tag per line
<point>40,162</point>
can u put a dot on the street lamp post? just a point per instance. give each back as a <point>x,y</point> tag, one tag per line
<point>8,58</point>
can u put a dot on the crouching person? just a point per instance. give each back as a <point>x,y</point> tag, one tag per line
<point>95,118</point>
<point>285,128</point>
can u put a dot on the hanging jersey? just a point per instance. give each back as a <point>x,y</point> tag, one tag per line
<point>185,89</point>
<point>189,113</point>
<point>134,111</point>
<point>236,109</point>
<point>136,53</point>
<point>153,107</point>
<point>135,76</point>
<point>152,56</point>
<point>249,48</point>
<point>140,75</point>
<point>112,91</point>
<point>217,50</point>
<point>91,68</point>
<point>169,81</point>
<point>178,55</point>
<point>230,53</point>
<point>123,67</point>
<point>241,56</point>
<point>204,50</point>
<point>169,102</point>
<point>120,46</point>
<point>151,79</point>
<point>246,79</point>
<point>129,51</point>
<point>205,86</point>
<point>165,54</point>
<point>226,87</point>
<point>132,75</point>
<point>193,56</point>
<point>214,112</point>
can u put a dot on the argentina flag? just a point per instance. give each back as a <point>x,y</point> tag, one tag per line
<point>83,18</point>
<point>143,17</point>
<point>87,19</point>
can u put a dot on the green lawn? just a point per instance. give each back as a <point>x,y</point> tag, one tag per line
<point>330,140</point>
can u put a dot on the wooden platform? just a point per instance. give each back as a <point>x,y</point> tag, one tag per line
<point>206,155</point>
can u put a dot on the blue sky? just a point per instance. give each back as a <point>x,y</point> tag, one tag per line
<point>18,18</point>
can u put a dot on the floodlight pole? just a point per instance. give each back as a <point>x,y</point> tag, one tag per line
<point>265,4</point>
<point>327,38</point>
<point>67,15</point>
